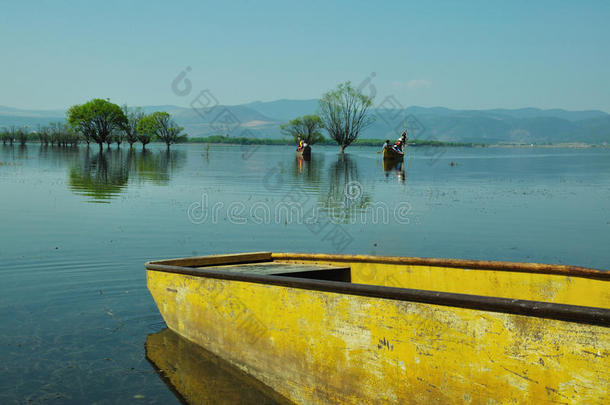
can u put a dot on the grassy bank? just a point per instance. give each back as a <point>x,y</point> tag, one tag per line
<point>359,142</point>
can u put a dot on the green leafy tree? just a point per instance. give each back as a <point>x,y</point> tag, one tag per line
<point>161,125</point>
<point>146,131</point>
<point>131,126</point>
<point>99,119</point>
<point>344,112</point>
<point>306,128</point>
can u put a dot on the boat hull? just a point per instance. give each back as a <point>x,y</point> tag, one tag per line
<point>339,342</point>
<point>391,155</point>
<point>304,153</point>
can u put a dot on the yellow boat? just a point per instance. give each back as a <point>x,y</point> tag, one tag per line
<point>304,153</point>
<point>320,328</point>
<point>390,154</point>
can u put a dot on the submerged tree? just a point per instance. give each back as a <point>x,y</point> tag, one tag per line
<point>145,131</point>
<point>22,136</point>
<point>109,140</point>
<point>10,134</point>
<point>344,112</point>
<point>98,118</point>
<point>44,134</point>
<point>118,137</point>
<point>306,128</point>
<point>131,126</point>
<point>161,125</point>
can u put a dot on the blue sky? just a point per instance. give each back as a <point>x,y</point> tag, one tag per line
<point>456,54</point>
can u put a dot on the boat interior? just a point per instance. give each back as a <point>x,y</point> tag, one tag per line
<point>525,281</point>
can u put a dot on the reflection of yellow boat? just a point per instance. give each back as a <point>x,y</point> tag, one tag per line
<point>390,164</point>
<point>199,377</point>
<point>391,154</point>
<point>304,153</point>
<point>363,329</point>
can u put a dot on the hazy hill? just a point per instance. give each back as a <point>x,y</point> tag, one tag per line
<point>525,125</point>
<point>285,110</point>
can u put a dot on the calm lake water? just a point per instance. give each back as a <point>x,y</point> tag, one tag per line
<point>78,225</point>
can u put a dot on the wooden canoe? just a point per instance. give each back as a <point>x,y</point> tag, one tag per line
<point>321,328</point>
<point>304,153</point>
<point>391,154</point>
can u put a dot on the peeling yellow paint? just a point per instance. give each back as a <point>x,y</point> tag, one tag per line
<point>322,347</point>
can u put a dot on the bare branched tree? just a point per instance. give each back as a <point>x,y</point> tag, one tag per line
<point>44,134</point>
<point>11,134</point>
<point>344,112</point>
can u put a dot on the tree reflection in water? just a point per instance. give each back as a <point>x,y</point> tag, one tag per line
<point>156,167</point>
<point>346,197</point>
<point>102,175</point>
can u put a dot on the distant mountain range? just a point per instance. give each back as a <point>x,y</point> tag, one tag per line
<point>263,119</point>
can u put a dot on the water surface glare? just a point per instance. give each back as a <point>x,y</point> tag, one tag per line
<point>78,225</point>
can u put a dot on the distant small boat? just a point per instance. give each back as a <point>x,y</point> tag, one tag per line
<point>320,328</point>
<point>304,153</point>
<point>390,154</point>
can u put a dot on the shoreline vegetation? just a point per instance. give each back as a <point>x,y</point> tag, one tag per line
<point>342,112</point>
<point>229,140</point>
<point>222,139</point>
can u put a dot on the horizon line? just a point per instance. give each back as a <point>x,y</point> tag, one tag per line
<point>312,99</point>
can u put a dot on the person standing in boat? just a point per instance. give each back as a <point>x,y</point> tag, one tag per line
<point>403,137</point>
<point>386,145</point>
<point>402,141</point>
<point>398,146</point>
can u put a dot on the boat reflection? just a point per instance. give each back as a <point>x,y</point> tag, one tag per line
<point>103,174</point>
<point>309,169</point>
<point>197,376</point>
<point>395,168</point>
